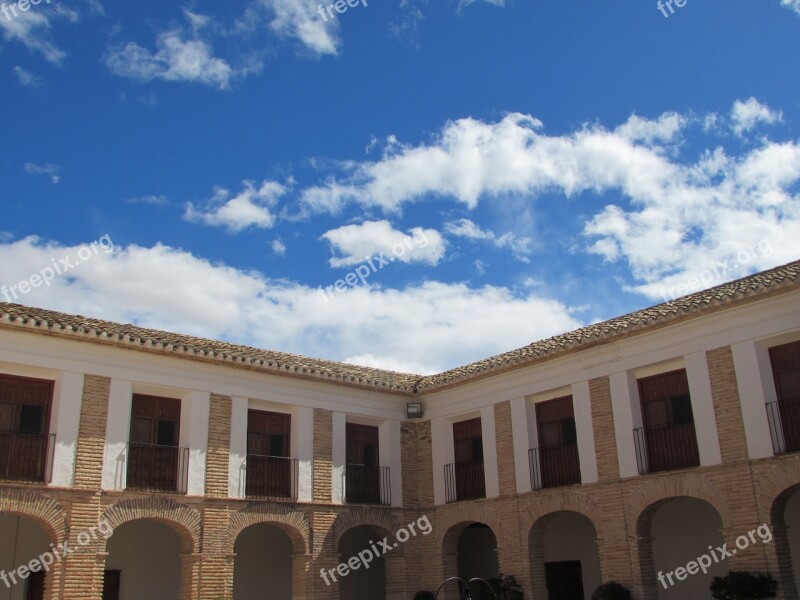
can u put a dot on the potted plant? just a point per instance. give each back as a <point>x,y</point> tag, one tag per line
<point>506,587</point>
<point>612,590</point>
<point>744,585</point>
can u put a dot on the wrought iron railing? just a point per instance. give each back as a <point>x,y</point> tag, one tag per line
<point>464,481</point>
<point>666,447</point>
<point>367,485</point>
<point>271,477</point>
<point>784,425</point>
<point>554,466</point>
<point>27,457</point>
<point>156,468</point>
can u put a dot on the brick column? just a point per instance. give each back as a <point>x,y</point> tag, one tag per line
<point>92,432</point>
<point>505,449</point>
<point>323,455</point>
<point>604,434</point>
<point>302,574</point>
<point>394,564</point>
<point>219,446</point>
<point>190,575</point>
<point>727,406</point>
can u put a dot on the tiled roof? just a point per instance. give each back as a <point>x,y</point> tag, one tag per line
<point>777,280</point>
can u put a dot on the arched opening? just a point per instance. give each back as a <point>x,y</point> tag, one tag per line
<point>365,581</point>
<point>23,540</point>
<point>144,561</point>
<point>564,556</point>
<point>673,533</point>
<point>262,569</point>
<point>470,550</point>
<point>786,527</point>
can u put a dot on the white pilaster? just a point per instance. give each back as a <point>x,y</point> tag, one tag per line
<point>756,388</point>
<point>238,451</point>
<point>705,422</point>
<point>65,422</point>
<point>587,453</point>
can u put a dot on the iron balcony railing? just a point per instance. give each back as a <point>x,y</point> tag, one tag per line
<point>26,456</point>
<point>554,466</point>
<point>367,485</point>
<point>156,468</point>
<point>784,425</point>
<point>666,447</point>
<point>464,481</point>
<point>271,477</point>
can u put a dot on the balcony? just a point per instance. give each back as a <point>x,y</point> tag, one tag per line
<point>154,468</point>
<point>367,485</point>
<point>464,481</point>
<point>273,477</point>
<point>27,457</point>
<point>784,425</point>
<point>666,447</point>
<point>554,466</point>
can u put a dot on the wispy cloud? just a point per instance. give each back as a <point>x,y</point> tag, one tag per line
<point>792,4</point>
<point>520,246</point>
<point>294,19</point>
<point>33,29</point>
<point>151,199</point>
<point>180,55</point>
<point>746,115</point>
<point>26,78</point>
<point>250,208</point>
<point>51,171</point>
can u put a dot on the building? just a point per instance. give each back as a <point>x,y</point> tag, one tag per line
<point>177,467</point>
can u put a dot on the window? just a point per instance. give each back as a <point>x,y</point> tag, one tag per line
<point>155,420</point>
<point>785,416</point>
<point>25,442</point>
<point>555,462</point>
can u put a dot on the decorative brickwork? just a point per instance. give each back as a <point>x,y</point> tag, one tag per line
<point>505,449</point>
<point>605,436</point>
<point>92,432</point>
<point>186,521</point>
<point>727,408</point>
<point>292,521</point>
<point>219,444</point>
<point>323,455</point>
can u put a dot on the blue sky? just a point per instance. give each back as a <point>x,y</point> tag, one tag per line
<point>477,175</point>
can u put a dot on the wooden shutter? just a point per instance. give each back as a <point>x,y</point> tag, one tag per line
<point>362,445</point>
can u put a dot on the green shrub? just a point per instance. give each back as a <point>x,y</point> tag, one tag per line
<point>506,588</point>
<point>612,590</point>
<point>743,585</point>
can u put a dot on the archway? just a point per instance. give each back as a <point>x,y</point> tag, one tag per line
<point>144,560</point>
<point>23,539</point>
<point>263,565</point>
<point>367,581</point>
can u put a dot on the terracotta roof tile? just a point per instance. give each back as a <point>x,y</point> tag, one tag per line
<point>775,280</point>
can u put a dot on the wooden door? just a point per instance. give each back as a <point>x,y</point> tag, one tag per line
<point>558,442</point>
<point>785,362</point>
<point>363,473</point>
<point>468,447</point>
<point>24,427</point>
<point>564,580</point>
<point>269,470</point>
<point>154,456</point>
<point>111,584</point>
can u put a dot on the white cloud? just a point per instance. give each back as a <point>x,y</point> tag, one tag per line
<point>519,246</point>
<point>278,247</point>
<point>297,19</point>
<point>51,171</point>
<point>746,115</point>
<point>165,288</point>
<point>152,199</point>
<point>668,218</point>
<point>179,56</point>
<point>463,3</point>
<point>356,243</point>
<point>33,29</point>
<point>252,207</point>
<point>792,5</point>
<point>27,79</point>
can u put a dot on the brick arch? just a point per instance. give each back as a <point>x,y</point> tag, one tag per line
<point>382,520</point>
<point>451,522</point>
<point>46,512</point>
<point>292,522</point>
<point>185,521</point>
<point>643,504</point>
<point>775,487</point>
<point>539,511</point>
